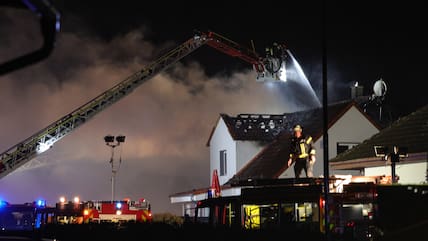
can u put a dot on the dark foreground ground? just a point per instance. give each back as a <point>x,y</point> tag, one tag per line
<point>160,231</point>
<point>196,232</point>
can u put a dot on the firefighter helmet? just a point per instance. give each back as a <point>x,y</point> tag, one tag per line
<point>297,127</point>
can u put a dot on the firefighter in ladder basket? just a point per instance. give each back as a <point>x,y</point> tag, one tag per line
<point>302,152</point>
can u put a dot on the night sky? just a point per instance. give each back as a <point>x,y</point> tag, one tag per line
<point>167,121</point>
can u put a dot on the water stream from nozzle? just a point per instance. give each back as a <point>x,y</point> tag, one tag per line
<point>295,74</point>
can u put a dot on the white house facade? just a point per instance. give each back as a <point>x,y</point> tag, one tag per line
<point>410,173</point>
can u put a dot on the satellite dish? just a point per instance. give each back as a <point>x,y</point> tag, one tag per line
<point>379,88</point>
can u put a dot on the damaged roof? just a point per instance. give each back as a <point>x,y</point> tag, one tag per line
<point>271,161</point>
<point>258,127</point>
<point>253,127</point>
<point>266,127</point>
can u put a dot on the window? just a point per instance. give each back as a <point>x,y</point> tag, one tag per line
<point>223,163</point>
<point>343,146</point>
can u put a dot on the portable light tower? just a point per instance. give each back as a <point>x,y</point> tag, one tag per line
<point>110,141</point>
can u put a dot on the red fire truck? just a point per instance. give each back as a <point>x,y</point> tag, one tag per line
<point>103,211</point>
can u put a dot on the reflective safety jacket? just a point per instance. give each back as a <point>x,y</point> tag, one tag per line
<point>301,147</point>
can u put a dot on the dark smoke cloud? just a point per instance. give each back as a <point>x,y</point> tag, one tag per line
<point>166,121</point>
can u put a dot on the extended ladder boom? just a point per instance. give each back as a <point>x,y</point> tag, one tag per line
<point>36,144</point>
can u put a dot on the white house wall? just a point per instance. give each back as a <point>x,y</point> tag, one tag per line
<point>222,140</point>
<point>245,151</point>
<point>353,126</point>
<point>409,173</point>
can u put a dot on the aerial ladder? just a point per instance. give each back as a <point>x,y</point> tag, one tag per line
<point>43,140</point>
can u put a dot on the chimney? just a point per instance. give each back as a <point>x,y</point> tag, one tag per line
<point>356,91</point>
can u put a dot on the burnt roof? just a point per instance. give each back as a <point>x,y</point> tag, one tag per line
<point>410,131</point>
<point>253,127</point>
<point>256,127</point>
<point>271,161</point>
<point>266,127</point>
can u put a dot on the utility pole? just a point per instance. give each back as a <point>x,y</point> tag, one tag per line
<point>394,159</point>
<point>109,140</point>
<point>325,120</point>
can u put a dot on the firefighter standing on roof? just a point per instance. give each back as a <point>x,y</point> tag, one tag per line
<point>302,152</point>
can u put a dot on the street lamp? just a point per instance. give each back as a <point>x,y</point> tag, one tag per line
<point>110,141</point>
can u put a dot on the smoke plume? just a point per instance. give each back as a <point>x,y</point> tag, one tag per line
<point>166,121</point>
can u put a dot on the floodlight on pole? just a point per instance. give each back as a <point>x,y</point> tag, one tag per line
<point>120,139</point>
<point>381,151</point>
<point>393,157</point>
<point>110,141</point>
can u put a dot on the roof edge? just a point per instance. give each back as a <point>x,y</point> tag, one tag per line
<point>374,123</point>
<point>361,163</point>
<point>214,128</point>
<point>335,119</point>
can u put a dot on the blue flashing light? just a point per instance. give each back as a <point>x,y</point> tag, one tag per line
<point>118,205</point>
<point>3,203</point>
<point>38,222</point>
<point>41,203</point>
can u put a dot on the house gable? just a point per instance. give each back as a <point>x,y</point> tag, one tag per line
<point>222,143</point>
